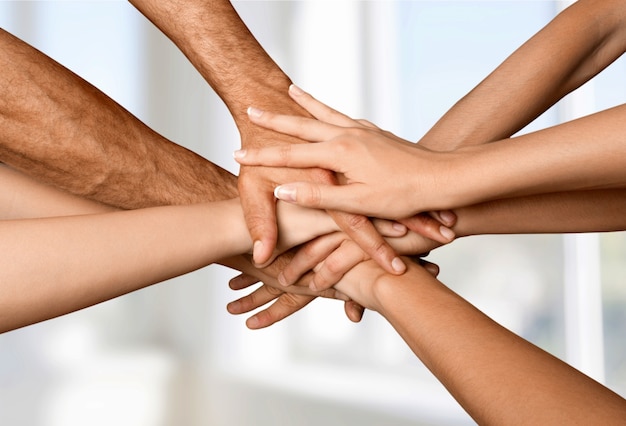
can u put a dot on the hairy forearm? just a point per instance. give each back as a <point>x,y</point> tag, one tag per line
<point>570,50</point>
<point>220,46</point>
<point>498,377</point>
<point>60,129</point>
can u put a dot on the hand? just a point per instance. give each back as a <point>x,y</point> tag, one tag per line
<point>379,170</point>
<point>362,283</point>
<point>285,303</point>
<point>256,186</point>
<point>359,282</point>
<point>292,231</point>
<point>331,256</point>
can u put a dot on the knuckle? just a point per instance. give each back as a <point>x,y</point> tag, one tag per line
<point>343,145</point>
<point>322,175</point>
<point>356,222</point>
<point>311,196</point>
<point>284,154</point>
<point>273,291</point>
<point>293,302</point>
<point>379,248</point>
<point>312,250</point>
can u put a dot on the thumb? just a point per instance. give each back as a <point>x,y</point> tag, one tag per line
<point>259,209</point>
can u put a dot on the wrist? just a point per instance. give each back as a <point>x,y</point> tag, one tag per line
<point>443,179</point>
<point>474,175</point>
<point>392,292</point>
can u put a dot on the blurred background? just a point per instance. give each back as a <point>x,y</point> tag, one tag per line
<point>172,355</point>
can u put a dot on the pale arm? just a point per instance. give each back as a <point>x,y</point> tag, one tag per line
<point>85,259</point>
<point>498,377</point>
<point>575,46</point>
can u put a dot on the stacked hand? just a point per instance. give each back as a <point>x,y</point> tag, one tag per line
<point>376,168</point>
<point>359,153</point>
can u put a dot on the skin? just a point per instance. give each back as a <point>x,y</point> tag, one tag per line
<point>582,41</point>
<point>496,376</point>
<point>223,50</point>
<point>88,252</point>
<point>109,156</point>
<point>379,170</point>
<point>59,129</point>
<point>575,46</point>
<point>593,145</point>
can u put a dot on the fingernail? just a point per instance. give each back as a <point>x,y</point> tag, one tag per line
<point>447,217</point>
<point>447,233</point>
<point>281,280</point>
<point>399,227</point>
<point>254,112</point>
<point>285,193</point>
<point>296,90</point>
<point>398,265</point>
<point>256,251</point>
<point>234,307</point>
<point>240,153</point>
<point>253,322</point>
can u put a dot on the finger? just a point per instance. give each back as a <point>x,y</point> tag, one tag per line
<point>429,227</point>
<point>340,261</point>
<point>242,281</point>
<point>304,155</point>
<point>304,128</point>
<point>254,300</point>
<point>445,217</point>
<point>354,198</point>
<point>362,232</point>
<point>286,304</point>
<point>389,228</point>
<point>259,209</point>
<point>308,256</point>
<point>320,110</point>
<point>412,244</point>
<point>354,311</point>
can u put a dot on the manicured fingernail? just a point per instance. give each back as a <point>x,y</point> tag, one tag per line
<point>447,233</point>
<point>285,193</point>
<point>447,217</point>
<point>256,251</point>
<point>240,153</point>
<point>296,90</point>
<point>398,265</point>
<point>254,112</point>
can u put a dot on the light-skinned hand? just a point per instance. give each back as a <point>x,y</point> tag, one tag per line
<point>381,174</point>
